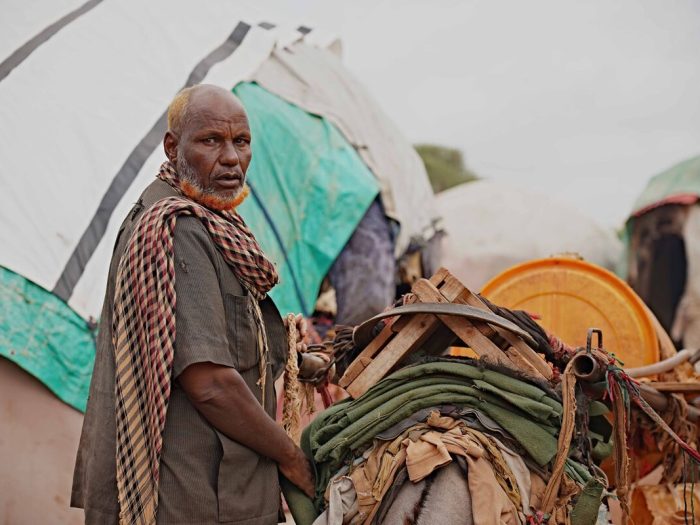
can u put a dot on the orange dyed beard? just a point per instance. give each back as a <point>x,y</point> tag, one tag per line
<point>212,200</point>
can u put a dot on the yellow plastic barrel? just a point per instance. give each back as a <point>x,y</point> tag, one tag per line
<point>570,296</point>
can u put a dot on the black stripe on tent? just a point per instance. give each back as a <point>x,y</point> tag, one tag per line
<point>278,237</point>
<point>304,30</point>
<point>16,58</point>
<point>266,25</point>
<point>130,169</point>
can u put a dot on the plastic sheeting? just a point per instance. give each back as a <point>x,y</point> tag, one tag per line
<point>315,80</point>
<point>363,275</point>
<point>682,180</point>
<point>44,336</point>
<point>310,190</point>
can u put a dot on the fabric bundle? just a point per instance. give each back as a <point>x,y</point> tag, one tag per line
<point>445,441</point>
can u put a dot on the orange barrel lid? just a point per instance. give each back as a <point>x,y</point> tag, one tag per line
<point>571,296</point>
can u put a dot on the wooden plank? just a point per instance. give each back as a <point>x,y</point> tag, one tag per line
<point>452,286</point>
<point>521,363</point>
<point>674,386</point>
<point>360,362</point>
<point>413,336</point>
<point>462,327</point>
<point>439,276</point>
<point>414,331</point>
<point>453,290</point>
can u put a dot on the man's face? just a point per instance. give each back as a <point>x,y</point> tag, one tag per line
<point>212,151</point>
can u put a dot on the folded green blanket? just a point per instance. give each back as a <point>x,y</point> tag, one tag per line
<point>530,414</point>
<point>527,412</point>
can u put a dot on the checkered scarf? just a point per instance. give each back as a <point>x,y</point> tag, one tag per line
<point>144,334</point>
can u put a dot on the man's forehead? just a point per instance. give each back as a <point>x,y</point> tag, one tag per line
<point>213,117</point>
<point>215,111</point>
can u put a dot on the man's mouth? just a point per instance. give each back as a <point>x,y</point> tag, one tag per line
<point>229,180</point>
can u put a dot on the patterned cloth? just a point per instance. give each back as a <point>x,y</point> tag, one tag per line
<point>144,334</point>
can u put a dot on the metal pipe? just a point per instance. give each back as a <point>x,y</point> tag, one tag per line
<point>587,368</point>
<point>659,401</point>
<point>662,366</point>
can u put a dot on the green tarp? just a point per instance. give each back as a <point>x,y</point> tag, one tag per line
<point>309,191</point>
<point>43,335</point>
<point>682,179</point>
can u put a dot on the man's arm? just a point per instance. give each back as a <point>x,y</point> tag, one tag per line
<point>219,393</point>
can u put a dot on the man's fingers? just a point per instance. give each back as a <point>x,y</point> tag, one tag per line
<point>299,472</point>
<point>303,327</point>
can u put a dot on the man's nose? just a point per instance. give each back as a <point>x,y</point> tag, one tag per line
<point>229,155</point>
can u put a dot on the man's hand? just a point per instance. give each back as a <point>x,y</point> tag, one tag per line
<point>298,471</point>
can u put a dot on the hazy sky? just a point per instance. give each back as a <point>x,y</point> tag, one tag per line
<point>581,100</point>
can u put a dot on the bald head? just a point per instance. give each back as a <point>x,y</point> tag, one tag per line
<point>191,97</point>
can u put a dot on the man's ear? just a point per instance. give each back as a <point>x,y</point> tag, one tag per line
<point>170,142</point>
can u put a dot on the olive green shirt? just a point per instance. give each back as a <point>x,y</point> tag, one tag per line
<point>205,477</point>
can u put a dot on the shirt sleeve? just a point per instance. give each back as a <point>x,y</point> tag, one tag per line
<point>200,318</point>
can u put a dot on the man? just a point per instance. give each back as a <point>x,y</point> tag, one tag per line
<point>179,424</point>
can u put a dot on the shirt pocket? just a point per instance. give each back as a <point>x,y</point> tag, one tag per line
<point>241,331</point>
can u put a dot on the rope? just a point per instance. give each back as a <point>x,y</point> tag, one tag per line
<point>291,412</point>
<point>629,386</point>
<point>620,405</point>
<point>564,443</point>
<point>623,390</point>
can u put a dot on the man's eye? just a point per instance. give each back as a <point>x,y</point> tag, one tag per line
<point>241,141</point>
<point>209,140</point>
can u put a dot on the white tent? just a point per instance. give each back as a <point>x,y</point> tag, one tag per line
<point>491,226</point>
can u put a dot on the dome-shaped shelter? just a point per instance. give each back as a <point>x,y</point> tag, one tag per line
<point>491,226</point>
<point>662,260</point>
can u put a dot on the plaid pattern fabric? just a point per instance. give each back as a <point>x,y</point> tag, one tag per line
<point>144,335</point>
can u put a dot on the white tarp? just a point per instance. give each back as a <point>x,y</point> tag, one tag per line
<point>315,80</point>
<point>491,226</point>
